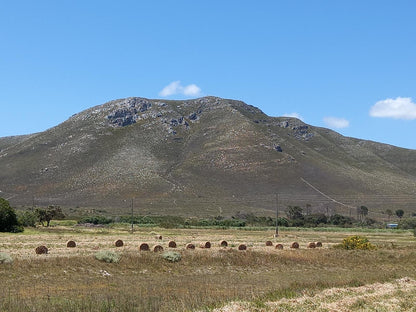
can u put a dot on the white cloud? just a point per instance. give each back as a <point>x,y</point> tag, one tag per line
<point>175,87</point>
<point>294,115</point>
<point>170,89</point>
<point>399,108</point>
<point>191,90</point>
<point>337,123</point>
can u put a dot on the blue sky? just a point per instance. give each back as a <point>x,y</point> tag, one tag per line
<point>346,65</point>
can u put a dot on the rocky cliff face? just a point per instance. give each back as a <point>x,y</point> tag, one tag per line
<point>182,157</point>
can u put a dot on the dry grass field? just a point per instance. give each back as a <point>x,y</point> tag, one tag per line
<point>261,278</point>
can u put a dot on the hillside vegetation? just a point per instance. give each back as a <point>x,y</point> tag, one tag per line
<point>207,156</point>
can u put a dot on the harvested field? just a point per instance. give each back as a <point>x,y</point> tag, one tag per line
<point>204,279</point>
<point>397,295</point>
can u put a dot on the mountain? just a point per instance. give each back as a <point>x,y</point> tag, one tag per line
<point>206,156</point>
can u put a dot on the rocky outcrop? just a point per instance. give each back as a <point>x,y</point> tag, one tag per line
<point>129,112</point>
<point>300,130</point>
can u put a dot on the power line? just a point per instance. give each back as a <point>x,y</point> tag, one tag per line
<point>323,194</point>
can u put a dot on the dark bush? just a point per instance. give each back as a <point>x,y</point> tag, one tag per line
<point>27,218</point>
<point>282,222</point>
<point>96,220</point>
<point>407,223</point>
<point>170,222</point>
<point>8,218</point>
<point>315,219</point>
<point>341,220</point>
<point>297,222</point>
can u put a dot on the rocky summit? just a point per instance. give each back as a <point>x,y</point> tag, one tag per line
<point>206,156</point>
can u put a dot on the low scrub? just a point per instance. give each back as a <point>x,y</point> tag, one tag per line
<point>108,256</point>
<point>96,220</point>
<point>5,258</point>
<point>172,256</point>
<point>407,223</point>
<point>356,242</point>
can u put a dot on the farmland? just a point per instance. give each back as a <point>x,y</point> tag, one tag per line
<point>261,278</point>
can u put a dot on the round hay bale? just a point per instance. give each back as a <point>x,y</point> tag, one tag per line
<point>279,246</point>
<point>190,246</point>
<point>311,245</point>
<point>158,248</point>
<point>294,245</point>
<point>158,237</point>
<point>318,244</point>
<point>144,247</point>
<point>242,247</point>
<point>71,244</point>
<point>223,243</point>
<point>119,243</point>
<point>41,250</point>
<point>205,245</point>
<point>269,243</point>
<point>172,244</point>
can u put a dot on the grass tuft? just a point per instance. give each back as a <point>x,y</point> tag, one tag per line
<point>108,256</point>
<point>172,256</point>
<point>5,258</point>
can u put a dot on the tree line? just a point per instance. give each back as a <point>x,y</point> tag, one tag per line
<point>12,221</point>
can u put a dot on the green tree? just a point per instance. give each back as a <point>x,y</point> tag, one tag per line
<point>8,218</point>
<point>308,209</point>
<point>294,213</point>
<point>362,212</point>
<point>399,213</point>
<point>389,213</point>
<point>315,219</point>
<point>341,220</point>
<point>27,218</point>
<point>46,215</point>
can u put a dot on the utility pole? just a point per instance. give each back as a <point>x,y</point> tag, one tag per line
<point>132,216</point>
<point>277,216</point>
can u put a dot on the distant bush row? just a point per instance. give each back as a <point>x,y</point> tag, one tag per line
<point>239,220</point>
<point>164,221</point>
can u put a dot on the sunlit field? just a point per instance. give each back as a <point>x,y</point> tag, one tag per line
<point>260,278</point>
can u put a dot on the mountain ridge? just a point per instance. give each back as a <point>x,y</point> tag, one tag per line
<point>198,156</point>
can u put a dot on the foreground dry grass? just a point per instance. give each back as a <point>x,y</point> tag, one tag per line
<point>71,279</point>
<point>398,295</point>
